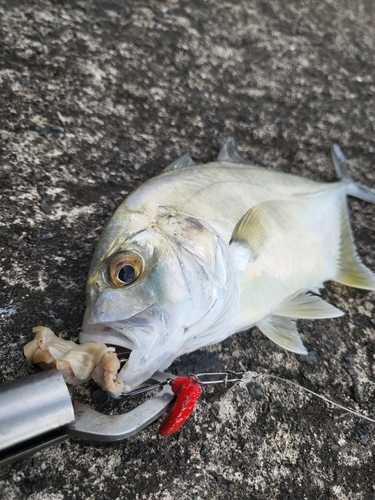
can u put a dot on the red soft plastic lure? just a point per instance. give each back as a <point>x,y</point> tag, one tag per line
<point>187,389</point>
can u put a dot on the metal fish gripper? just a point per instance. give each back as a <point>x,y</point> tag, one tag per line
<point>39,411</point>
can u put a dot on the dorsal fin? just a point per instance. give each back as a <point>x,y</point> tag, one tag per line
<point>341,165</point>
<point>229,152</point>
<point>283,332</point>
<point>350,270</point>
<point>182,162</point>
<point>304,305</point>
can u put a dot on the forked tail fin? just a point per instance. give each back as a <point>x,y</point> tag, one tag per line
<point>350,271</point>
<point>343,172</point>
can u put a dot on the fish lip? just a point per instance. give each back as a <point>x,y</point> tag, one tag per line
<point>106,334</point>
<point>105,331</point>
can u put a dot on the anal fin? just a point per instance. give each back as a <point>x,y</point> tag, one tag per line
<point>304,305</point>
<point>350,271</point>
<point>283,332</point>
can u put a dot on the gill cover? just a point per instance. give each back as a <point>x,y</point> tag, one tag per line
<point>178,290</point>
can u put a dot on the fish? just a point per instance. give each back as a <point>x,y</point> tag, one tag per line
<point>201,252</point>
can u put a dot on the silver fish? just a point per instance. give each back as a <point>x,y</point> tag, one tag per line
<point>203,251</point>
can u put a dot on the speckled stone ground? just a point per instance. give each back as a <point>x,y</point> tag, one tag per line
<point>99,95</point>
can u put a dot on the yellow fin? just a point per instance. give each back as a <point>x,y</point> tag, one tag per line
<point>350,270</point>
<point>283,332</point>
<point>306,306</point>
<point>256,226</point>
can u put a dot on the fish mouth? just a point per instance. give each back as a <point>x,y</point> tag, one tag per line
<point>122,353</point>
<point>139,341</point>
<point>133,335</point>
<point>111,334</point>
<point>111,337</point>
<point>122,347</point>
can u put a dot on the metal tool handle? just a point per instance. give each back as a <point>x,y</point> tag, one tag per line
<point>37,411</point>
<point>33,409</point>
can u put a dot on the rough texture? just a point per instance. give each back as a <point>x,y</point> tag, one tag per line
<point>99,95</point>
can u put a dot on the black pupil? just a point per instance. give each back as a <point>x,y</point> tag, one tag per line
<point>127,274</point>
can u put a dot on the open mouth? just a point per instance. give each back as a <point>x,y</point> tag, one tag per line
<point>122,353</point>
<point>107,372</point>
<point>139,343</point>
<point>102,355</point>
<point>112,335</point>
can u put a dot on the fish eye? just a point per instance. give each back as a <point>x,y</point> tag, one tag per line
<point>124,268</point>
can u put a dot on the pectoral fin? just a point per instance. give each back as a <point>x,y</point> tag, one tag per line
<point>256,225</point>
<point>350,271</point>
<point>306,306</point>
<point>283,332</point>
<point>248,237</point>
<point>268,220</point>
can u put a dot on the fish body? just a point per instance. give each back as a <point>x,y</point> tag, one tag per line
<point>203,251</point>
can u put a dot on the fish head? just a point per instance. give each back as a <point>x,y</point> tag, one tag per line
<point>154,287</point>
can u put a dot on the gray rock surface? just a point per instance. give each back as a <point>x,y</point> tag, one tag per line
<point>99,95</point>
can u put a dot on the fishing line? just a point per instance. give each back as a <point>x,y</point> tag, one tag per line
<point>241,379</point>
<point>248,375</point>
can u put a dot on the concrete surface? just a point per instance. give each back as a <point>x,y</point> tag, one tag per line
<point>99,95</point>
